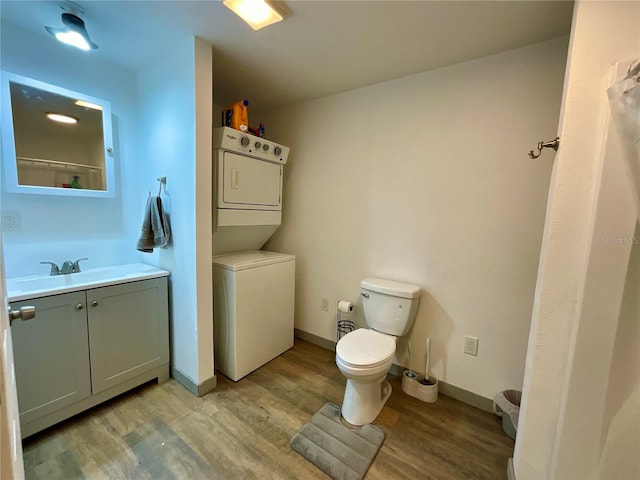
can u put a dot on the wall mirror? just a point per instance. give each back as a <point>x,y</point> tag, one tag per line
<point>55,141</point>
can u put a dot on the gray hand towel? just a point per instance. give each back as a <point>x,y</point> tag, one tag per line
<point>155,226</point>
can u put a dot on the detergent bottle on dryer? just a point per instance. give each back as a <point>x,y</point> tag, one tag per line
<point>236,116</point>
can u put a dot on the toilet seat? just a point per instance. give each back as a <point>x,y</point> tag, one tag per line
<point>365,349</point>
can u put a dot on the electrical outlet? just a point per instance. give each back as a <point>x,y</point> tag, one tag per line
<point>10,221</point>
<point>324,304</point>
<point>471,345</point>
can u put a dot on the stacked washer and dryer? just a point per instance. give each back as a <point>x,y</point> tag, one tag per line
<point>253,290</point>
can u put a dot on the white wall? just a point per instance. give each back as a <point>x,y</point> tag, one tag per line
<point>171,146</point>
<point>620,437</point>
<point>568,398</point>
<point>204,108</point>
<point>217,114</point>
<point>426,179</point>
<point>56,228</point>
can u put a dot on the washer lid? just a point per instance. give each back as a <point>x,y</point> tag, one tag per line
<point>246,260</point>
<point>366,347</point>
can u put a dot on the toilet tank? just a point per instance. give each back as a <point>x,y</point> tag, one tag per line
<point>389,307</point>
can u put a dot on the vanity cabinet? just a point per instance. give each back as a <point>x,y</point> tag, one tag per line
<point>51,355</point>
<point>85,347</point>
<point>128,331</point>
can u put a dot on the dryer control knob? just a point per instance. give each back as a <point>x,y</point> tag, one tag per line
<point>277,151</point>
<point>244,141</point>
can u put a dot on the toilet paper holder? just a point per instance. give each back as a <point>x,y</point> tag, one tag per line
<point>344,326</point>
<point>345,306</point>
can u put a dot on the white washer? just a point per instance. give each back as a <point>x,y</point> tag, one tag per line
<point>253,297</point>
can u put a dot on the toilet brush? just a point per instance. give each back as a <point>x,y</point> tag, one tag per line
<point>418,386</point>
<point>410,373</point>
<point>425,380</point>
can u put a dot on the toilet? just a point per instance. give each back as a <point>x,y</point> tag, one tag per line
<point>365,355</point>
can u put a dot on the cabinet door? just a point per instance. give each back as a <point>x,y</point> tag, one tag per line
<point>128,331</point>
<point>51,355</point>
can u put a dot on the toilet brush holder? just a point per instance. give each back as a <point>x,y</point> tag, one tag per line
<point>416,386</point>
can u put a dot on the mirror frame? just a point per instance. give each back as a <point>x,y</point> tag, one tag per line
<point>9,146</point>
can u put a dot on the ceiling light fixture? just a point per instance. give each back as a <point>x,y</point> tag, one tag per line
<point>93,106</point>
<point>258,13</point>
<point>74,31</point>
<point>61,118</point>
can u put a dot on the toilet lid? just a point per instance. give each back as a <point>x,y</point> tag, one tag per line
<point>366,347</point>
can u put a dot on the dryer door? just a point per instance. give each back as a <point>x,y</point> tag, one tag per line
<point>249,183</point>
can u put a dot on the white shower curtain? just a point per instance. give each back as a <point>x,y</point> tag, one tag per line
<point>624,99</point>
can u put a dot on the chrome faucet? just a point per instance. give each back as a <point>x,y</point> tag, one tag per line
<point>67,267</point>
<point>76,265</point>
<point>54,268</point>
<point>71,267</point>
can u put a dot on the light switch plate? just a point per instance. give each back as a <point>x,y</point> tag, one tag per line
<point>324,304</point>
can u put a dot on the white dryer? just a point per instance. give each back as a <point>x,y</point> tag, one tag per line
<point>253,297</point>
<point>247,190</point>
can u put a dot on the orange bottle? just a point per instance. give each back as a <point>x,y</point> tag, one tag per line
<point>236,116</point>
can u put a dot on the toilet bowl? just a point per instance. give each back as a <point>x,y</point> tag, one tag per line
<point>365,356</point>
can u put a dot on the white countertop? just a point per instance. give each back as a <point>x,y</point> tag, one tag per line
<point>36,286</point>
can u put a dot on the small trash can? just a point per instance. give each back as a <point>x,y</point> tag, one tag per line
<point>506,404</point>
<point>344,327</point>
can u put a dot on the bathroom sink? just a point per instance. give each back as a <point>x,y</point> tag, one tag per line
<point>92,275</point>
<point>42,283</point>
<point>23,288</point>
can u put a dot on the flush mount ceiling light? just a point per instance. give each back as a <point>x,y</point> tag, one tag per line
<point>258,13</point>
<point>93,106</point>
<point>74,31</point>
<point>61,118</point>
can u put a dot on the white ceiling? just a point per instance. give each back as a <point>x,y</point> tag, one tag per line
<point>325,47</point>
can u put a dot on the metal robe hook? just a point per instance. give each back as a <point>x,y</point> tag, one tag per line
<point>555,143</point>
<point>634,69</point>
<point>163,181</point>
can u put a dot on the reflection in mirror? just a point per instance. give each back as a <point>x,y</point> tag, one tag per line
<point>61,140</point>
<point>58,143</point>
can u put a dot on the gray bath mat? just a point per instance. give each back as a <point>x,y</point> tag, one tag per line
<point>341,452</point>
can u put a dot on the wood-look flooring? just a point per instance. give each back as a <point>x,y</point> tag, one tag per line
<point>242,430</point>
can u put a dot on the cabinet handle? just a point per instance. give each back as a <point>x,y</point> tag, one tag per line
<point>79,306</point>
<point>94,303</point>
